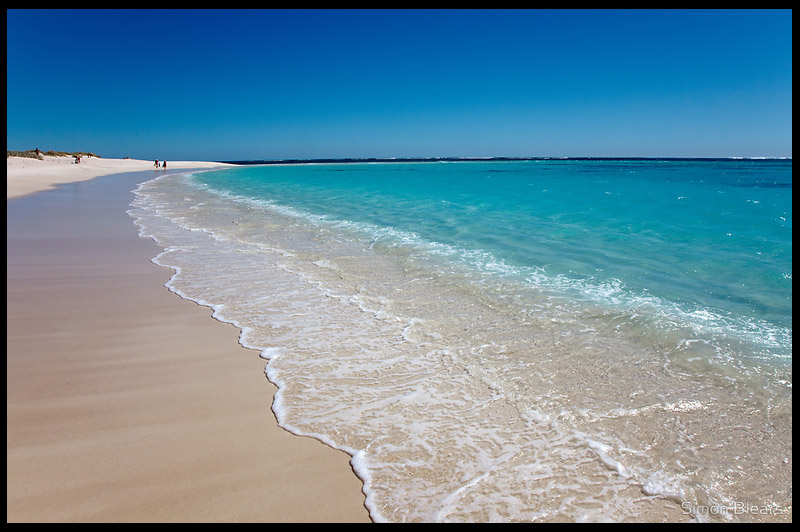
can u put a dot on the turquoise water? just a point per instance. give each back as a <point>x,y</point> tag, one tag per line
<point>711,239</point>
<point>541,340</point>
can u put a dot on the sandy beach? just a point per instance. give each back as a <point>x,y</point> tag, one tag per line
<point>124,402</point>
<point>27,175</point>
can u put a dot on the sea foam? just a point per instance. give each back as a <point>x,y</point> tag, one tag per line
<point>467,385</point>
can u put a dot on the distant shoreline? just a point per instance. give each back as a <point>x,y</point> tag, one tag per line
<point>27,175</point>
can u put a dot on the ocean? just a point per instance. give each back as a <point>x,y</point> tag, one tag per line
<point>511,340</point>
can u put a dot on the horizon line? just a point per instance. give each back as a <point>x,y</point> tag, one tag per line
<point>479,159</point>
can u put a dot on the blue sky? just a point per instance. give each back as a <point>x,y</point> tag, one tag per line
<point>239,84</point>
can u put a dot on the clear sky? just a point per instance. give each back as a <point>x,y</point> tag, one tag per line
<point>240,84</point>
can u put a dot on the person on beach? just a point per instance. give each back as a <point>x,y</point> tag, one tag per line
<point>156,165</point>
<point>164,165</point>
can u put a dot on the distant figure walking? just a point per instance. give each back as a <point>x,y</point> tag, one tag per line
<point>156,165</point>
<point>164,165</point>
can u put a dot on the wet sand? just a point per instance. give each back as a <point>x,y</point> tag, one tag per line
<point>128,403</point>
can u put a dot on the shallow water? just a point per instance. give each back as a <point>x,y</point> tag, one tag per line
<point>512,341</point>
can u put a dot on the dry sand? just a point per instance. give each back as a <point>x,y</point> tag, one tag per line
<point>26,176</point>
<point>124,401</point>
